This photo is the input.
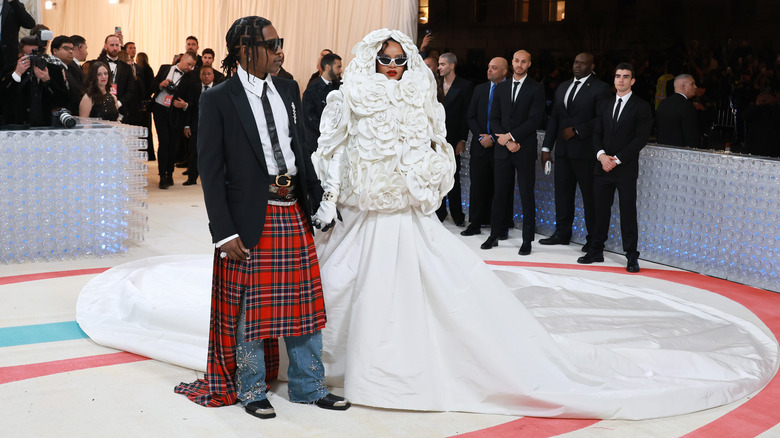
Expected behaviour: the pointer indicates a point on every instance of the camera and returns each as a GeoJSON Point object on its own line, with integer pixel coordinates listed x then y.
{"type": "Point", "coordinates": [61, 118]}
{"type": "Point", "coordinates": [170, 88]}
{"type": "Point", "coordinates": [38, 56]}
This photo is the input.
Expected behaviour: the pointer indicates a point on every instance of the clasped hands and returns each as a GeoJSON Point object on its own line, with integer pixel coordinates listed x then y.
{"type": "Point", "coordinates": [326, 215]}
{"type": "Point", "coordinates": [608, 162]}
{"type": "Point", "coordinates": [506, 140]}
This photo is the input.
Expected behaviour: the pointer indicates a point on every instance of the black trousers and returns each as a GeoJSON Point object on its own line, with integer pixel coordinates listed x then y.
{"type": "Point", "coordinates": [604, 187]}
{"type": "Point", "coordinates": [568, 174]}
{"type": "Point", "coordinates": [454, 199]}
{"type": "Point", "coordinates": [482, 170]}
{"type": "Point", "coordinates": [506, 170]}
{"type": "Point", "coordinates": [192, 162]}
{"type": "Point", "coordinates": [169, 130]}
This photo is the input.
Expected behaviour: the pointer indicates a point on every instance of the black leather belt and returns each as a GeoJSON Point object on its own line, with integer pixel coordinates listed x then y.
{"type": "Point", "coordinates": [282, 188]}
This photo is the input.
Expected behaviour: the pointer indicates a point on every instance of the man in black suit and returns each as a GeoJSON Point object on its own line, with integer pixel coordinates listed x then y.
{"type": "Point", "coordinates": [260, 187]}
{"type": "Point", "coordinates": [314, 98]}
{"type": "Point", "coordinates": [194, 90]}
{"type": "Point", "coordinates": [676, 117]}
{"type": "Point", "coordinates": [569, 132]}
{"type": "Point", "coordinates": [123, 83]}
{"type": "Point", "coordinates": [170, 104]}
{"type": "Point", "coordinates": [30, 94]}
{"type": "Point", "coordinates": [457, 95]}
{"type": "Point", "coordinates": [517, 112]}
{"type": "Point", "coordinates": [208, 61]}
{"type": "Point", "coordinates": [13, 15]}
{"type": "Point", "coordinates": [79, 57]}
{"type": "Point", "coordinates": [622, 129]}
{"type": "Point", "coordinates": [192, 45]}
{"type": "Point", "coordinates": [62, 48]}
{"type": "Point", "coordinates": [481, 162]}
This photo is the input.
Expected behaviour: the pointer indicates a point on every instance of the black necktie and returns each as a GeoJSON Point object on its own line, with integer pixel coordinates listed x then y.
{"type": "Point", "coordinates": [617, 110]}
{"type": "Point", "coordinates": [571, 94]}
{"type": "Point", "coordinates": [269, 121]}
{"type": "Point", "coordinates": [205, 87]}
{"type": "Point", "coordinates": [514, 90]}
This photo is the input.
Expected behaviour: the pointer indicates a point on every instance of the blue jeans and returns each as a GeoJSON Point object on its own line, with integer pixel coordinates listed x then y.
{"type": "Point", "coordinates": [306, 373]}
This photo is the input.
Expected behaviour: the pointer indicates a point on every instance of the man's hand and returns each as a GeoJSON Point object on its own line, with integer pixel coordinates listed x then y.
{"type": "Point", "coordinates": [608, 162]}
{"type": "Point", "coordinates": [486, 140]}
{"type": "Point", "coordinates": [568, 133]}
{"type": "Point", "coordinates": [43, 75]}
{"type": "Point", "coordinates": [187, 132]}
{"type": "Point", "coordinates": [426, 41]}
{"type": "Point", "coordinates": [513, 146]}
{"type": "Point", "coordinates": [460, 147]}
{"type": "Point", "coordinates": [164, 83]}
{"type": "Point", "coordinates": [235, 250]}
{"type": "Point", "coordinates": [179, 103]}
{"type": "Point", "coordinates": [22, 64]}
{"type": "Point", "coordinates": [546, 156]}
{"type": "Point", "coordinates": [503, 139]}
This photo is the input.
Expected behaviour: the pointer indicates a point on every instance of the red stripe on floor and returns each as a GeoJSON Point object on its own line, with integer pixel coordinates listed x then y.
{"type": "Point", "coordinates": [531, 427]}
{"type": "Point", "coordinates": [47, 275]}
{"type": "Point", "coordinates": [31, 371]}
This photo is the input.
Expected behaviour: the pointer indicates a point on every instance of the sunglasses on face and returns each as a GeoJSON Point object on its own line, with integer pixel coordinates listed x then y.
{"type": "Point", "coordinates": [386, 60]}
{"type": "Point", "coordinates": [273, 45]}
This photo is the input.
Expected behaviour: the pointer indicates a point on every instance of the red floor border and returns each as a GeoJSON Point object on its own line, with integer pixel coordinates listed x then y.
{"type": "Point", "coordinates": [11, 279]}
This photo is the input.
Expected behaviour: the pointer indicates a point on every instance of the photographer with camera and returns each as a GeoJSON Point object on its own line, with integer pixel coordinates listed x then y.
{"type": "Point", "coordinates": [36, 88]}
{"type": "Point", "coordinates": [173, 85]}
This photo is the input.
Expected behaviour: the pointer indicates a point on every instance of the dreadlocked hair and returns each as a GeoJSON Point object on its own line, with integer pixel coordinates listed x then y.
{"type": "Point", "coordinates": [246, 31]}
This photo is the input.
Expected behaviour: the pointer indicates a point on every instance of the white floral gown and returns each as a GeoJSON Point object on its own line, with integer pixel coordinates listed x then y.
{"type": "Point", "coordinates": [417, 321]}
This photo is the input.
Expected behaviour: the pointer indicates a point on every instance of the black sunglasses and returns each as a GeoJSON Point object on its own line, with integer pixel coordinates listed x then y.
{"type": "Point", "coordinates": [386, 60]}
{"type": "Point", "coordinates": [273, 45]}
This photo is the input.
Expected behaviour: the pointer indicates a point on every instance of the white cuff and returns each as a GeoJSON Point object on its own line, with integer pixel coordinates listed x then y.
{"type": "Point", "coordinates": [225, 240]}
{"type": "Point", "coordinates": [16, 77]}
{"type": "Point", "coordinates": [600, 153]}
{"type": "Point", "coordinates": [544, 149]}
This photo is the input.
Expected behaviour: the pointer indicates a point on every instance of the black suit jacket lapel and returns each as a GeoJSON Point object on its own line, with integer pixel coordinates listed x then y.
{"type": "Point", "coordinates": [246, 116]}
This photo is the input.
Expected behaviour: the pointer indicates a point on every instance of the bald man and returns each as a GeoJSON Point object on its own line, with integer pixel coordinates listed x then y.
{"type": "Point", "coordinates": [569, 134]}
{"type": "Point", "coordinates": [676, 117]}
{"type": "Point", "coordinates": [481, 162]}
{"type": "Point", "coordinates": [517, 112]}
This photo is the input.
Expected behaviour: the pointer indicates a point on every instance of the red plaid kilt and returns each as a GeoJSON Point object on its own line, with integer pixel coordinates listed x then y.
{"type": "Point", "coordinates": [283, 298]}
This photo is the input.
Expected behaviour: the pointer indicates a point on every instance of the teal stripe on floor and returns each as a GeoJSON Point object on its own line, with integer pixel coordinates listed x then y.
{"type": "Point", "coordinates": [39, 333]}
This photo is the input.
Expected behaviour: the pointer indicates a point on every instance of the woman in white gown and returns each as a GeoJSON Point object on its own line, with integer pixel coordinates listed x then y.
{"type": "Point", "coordinates": [417, 321]}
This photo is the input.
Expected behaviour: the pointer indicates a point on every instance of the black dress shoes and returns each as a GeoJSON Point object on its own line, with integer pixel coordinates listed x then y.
{"type": "Point", "coordinates": [333, 402]}
{"type": "Point", "coordinates": [632, 265]}
{"type": "Point", "coordinates": [586, 247]}
{"type": "Point", "coordinates": [591, 257]}
{"type": "Point", "coordinates": [169, 180]}
{"type": "Point", "coordinates": [189, 182]}
{"type": "Point", "coordinates": [554, 240]}
{"type": "Point", "coordinates": [186, 172]}
{"type": "Point", "coordinates": [471, 230]}
{"type": "Point", "coordinates": [491, 242]}
{"type": "Point", "coordinates": [164, 182]}
{"type": "Point", "coordinates": [525, 249]}
{"type": "Point", "coordinates": [260, 409]}
{"type": "Point", "coordinates": [504, 235]}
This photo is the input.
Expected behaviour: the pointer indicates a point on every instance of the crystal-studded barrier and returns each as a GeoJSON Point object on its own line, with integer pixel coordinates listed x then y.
{"type": "Point", "coordinates": [68, 193]}
{"type": "Point", "coordinates": [713, 213]}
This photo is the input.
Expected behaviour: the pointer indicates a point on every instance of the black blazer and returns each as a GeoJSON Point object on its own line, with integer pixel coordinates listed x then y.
{"type": "Point", "coordinates": [456, 104]}
{"type": "Point", "coordinates": [186, 89]}
{"type": "Point", "coordinates": [313, 105]}
{"type": "Point", "coordinates": [625, 138]}
{"type": "Point", "coordinates": [13, 17]}
{"type": "Point", "coordinates": [232, 164]}
{"type": "Point", "coordinates": [476, 117]}
{"type": "Point", "coordinates": [521, 119]}
{"type": "Point", "coordinates": [77, 73]}
{"type": "Point", "coordinates": [17, 96]}
{"type": "Point", "coordinates": [677, 122]}
{"type": "Point", "coordinates": [581, 115]}
{"type": "Point", "coordinates": [126, 91]}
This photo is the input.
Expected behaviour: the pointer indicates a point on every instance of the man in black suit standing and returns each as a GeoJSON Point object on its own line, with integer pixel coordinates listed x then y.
{"type": "Point", "coordinates": [13, 15]}
{"type": "Point", "coordinates": [457, 95]}
{"type": "Point", "coordinates": [260, 187]}
{"type": "Point", "coordinates": [517, 112]}
{"type": "Point", "coordinates": [314, 98]}
{"type": "Point", "coordinates": [79, 56]}
{"type": "Point", "coordinates": [171, 101]}
{"type": "Point", "coordinates": [676, 117]}
{"type": "Point", "coordinates": [62, 48]}
{"type": "Point", "coordinates": [123, 84]}
{"type": "Point", "coordinates": [194, 90]}
{"type": "Point", "coordinates": [208, 61]}
{"type": "Point", "coordinates": [622, 129]}
{"type": "Point", "coordinates": [481, 162]}
{"type": "Point", "coordinates": [569, 132]}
